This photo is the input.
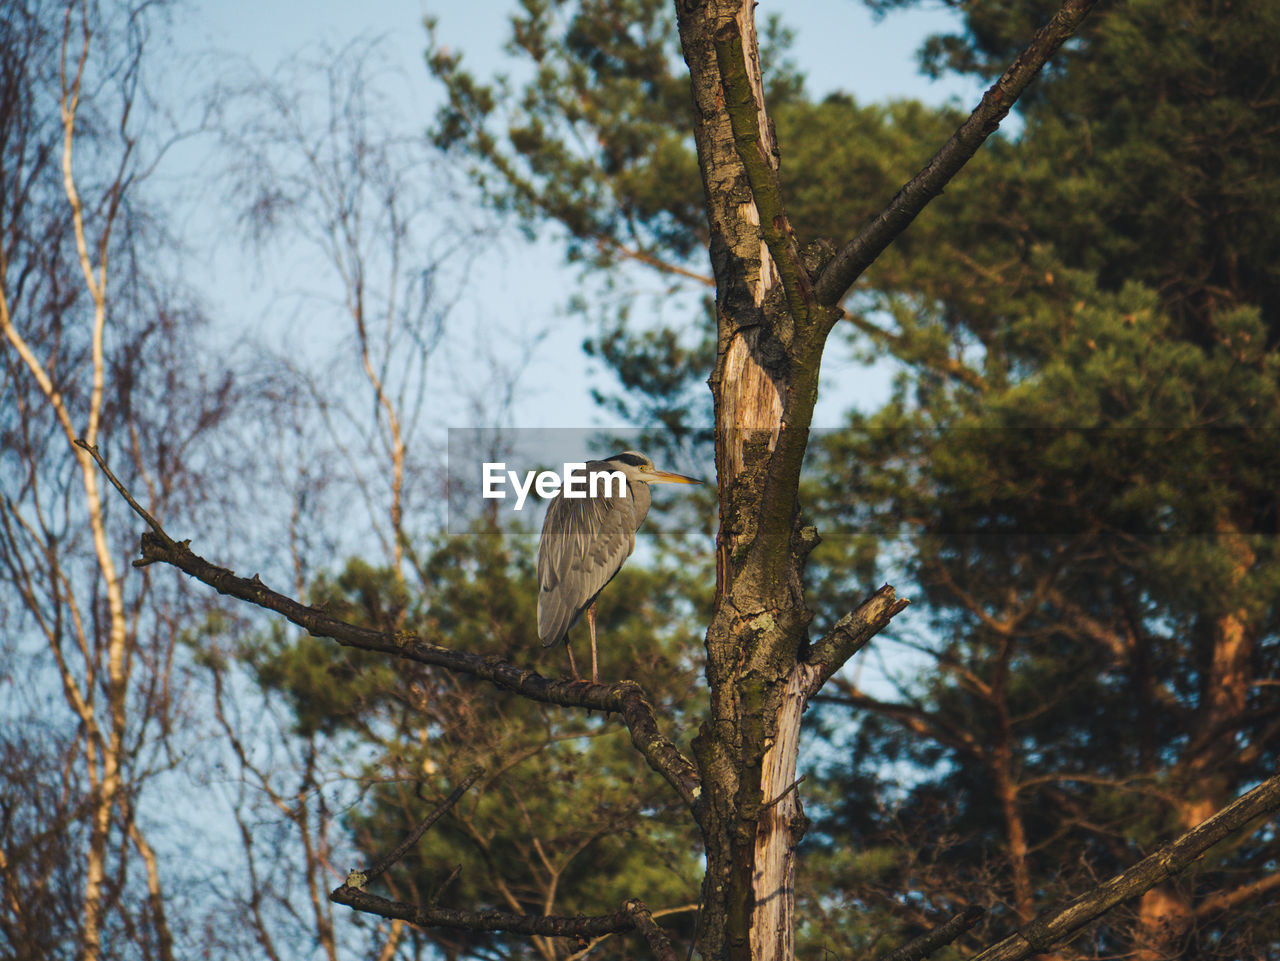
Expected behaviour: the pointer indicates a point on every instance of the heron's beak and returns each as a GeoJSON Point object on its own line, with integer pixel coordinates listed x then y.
{"type": "Point", "coordinates": [656, 476]}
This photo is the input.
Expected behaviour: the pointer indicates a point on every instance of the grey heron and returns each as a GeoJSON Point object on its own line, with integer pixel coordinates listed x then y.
{"type": "Point", "coordinates": [586, 540]}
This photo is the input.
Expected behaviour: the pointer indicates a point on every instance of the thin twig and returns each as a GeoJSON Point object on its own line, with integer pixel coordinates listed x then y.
{"type": "Point", "coordinates": [444, 885]}
{"type": "Point", "coordinates": [608, 245]}
{"type": "Point", "coordinates": [115, 482]}
{"type": "Point", "coordinates": [412, 837]}
{"type": "Point", "coordinates": [929, 942]}
{"type": "Point", "coordinates": [791, 787]}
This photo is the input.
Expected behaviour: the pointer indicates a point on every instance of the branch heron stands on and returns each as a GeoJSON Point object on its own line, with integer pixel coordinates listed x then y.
{"type": "Point", "coordinates": [585, 541]}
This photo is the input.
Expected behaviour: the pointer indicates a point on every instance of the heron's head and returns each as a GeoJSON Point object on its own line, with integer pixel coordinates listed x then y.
{"type": "Point", "coordinates": [639, 468]}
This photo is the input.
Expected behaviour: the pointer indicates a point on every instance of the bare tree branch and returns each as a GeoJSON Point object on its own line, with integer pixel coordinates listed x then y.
{"type": "Point", "coordinates": [551, 926]}
{"type": "Point", "coordinates": [1054, 927]}
{"type": "Point", "coordinates": [860, 252]}
{"type": "Point", "coordinates": [851, 633]}
{"type": "Point", "coordinates": [625, 698]}
{"type": "Point", "coordinates": [659, 943]}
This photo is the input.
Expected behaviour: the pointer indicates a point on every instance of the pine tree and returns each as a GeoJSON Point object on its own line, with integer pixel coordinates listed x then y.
{"type": "Point", "coordinates": [1092, 519]}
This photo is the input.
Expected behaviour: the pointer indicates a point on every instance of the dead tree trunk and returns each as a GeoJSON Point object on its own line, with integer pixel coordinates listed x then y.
{"type": "Point", "coordinates": [771, 331]}
{"type": "Point", "coordinates": [775, 307]}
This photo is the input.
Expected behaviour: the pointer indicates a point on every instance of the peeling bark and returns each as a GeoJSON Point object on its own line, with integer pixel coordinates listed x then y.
{"type": "Point", "coordinates": [758, 625]}
{"type": "Point", "coordinates": [781, 825]}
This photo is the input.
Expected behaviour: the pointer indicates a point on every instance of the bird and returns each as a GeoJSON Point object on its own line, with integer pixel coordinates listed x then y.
{"type": "Point", "coordinates": [585, 541]}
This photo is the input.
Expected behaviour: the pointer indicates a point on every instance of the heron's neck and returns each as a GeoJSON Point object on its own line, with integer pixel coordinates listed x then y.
{"type": "Point", "coordinates": [641, 498]}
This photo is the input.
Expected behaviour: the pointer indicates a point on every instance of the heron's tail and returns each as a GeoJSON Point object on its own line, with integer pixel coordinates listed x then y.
{"type": "Point", "coordinates": [555, 621]}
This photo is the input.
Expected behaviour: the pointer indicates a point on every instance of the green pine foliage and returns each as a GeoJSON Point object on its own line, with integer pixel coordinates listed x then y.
{"type": "Point", "coordinates": [1090, 516]}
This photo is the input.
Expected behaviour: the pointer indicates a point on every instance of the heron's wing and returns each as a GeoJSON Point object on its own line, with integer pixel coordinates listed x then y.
{"type": "Point", "coordinates": [584, 543]}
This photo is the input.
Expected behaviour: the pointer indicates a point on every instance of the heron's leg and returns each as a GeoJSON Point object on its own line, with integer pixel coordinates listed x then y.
{"type": "Point", "coordinates": [591, 623]}
{"type": "Point", "coordinates": [572, 666]}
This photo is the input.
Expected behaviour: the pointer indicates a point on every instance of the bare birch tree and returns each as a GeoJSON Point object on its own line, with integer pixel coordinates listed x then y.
{"type": "Point", "coordinates": [90, 352]}
{"type": "Point", "coordinates": [323, 171]}
{"type": "Point", "coordinates": [325, 167]}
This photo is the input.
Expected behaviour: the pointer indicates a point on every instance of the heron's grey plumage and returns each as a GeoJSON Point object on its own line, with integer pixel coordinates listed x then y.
{"type": "Point", "coordinates": [586, 540]}
{"type": "Point", "coordinates": [584, 543]}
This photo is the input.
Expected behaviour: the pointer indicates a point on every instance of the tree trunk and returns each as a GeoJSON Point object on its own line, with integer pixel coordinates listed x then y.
{"type": "Point", "coordinates": [765, 383]}
{"type": "Point", "coordinates": [1165, 913]}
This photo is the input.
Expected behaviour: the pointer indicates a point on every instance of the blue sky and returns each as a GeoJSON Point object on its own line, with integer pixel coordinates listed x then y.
{"type": "Point", "coordinates": [518, 295]}
{"type": "Point", "coordinates": [838, 41]}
